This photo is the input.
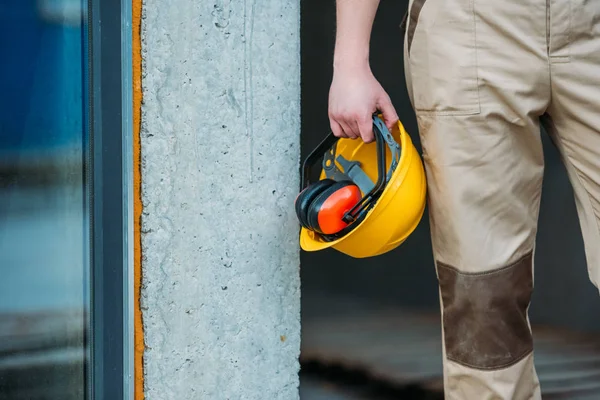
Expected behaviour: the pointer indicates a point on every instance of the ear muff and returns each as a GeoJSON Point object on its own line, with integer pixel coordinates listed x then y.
{"type": "Point", "coordinates": [306, 197]}
{"type": "Point", "coordinates": [326, 212]}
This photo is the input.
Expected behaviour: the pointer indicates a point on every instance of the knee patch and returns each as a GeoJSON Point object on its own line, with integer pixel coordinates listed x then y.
{"type": "Point", "coordinates": [485, 314]}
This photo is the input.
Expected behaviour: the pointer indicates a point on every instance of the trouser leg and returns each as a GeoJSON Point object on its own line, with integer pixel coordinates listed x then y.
{"type": "Point", "coordinates": [573, 118]}
{"type": "Point", "coordinates": [478, 78]}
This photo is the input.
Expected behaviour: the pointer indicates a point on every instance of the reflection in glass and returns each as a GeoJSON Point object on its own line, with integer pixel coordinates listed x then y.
{"type": "Point", "coordinates": [43, 209]}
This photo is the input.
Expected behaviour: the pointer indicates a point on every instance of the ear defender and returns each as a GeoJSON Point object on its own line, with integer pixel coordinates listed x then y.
{"type": "Point", "coordinates": [305, 198]}
{"type": "Point", "coordinates": [325, 213]}
{"type": "Point", "coordinates": [322, 205]}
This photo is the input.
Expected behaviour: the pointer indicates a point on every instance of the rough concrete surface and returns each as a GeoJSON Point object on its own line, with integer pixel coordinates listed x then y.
{"type": "Point", "coordinates": [220, 154]}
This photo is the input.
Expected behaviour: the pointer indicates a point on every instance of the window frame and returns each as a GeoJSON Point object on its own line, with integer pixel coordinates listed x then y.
{"type": "Point", "coordinates": [109, 118]}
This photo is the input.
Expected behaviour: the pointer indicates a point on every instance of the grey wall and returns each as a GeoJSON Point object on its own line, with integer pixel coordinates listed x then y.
{"type": "Point", "coordinates": [220, 150]}
{"type": "Point", "coordinates": [405, 277]}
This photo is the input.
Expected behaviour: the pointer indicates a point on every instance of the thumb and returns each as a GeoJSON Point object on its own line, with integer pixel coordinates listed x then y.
{"type": "Point", "coordinates": [390, 117]}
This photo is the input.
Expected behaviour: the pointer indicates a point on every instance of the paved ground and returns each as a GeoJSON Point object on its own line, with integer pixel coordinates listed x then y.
{"type": "Point", "coordinates": [313, 389]}
{"type": "Point", "coordinates": [321, 385]}
{"type": "Point", "coordinates": [394, 349]}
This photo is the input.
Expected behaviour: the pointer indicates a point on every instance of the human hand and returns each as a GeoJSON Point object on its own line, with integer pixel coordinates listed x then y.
{"type": "Point", "coordinates": [354, 96]}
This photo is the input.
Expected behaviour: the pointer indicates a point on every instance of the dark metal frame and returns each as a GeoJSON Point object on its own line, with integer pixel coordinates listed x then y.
{"type": "Point", "coordinates": [110, 166]}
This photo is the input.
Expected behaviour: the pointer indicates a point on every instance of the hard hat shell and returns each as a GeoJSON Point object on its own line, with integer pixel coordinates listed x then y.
{"type": "Point", "coordinates": [396, 213]}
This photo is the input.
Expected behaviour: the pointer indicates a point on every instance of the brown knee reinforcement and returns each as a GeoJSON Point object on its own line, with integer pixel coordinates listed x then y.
{"type": "Point", "coordinates": [485, 314]}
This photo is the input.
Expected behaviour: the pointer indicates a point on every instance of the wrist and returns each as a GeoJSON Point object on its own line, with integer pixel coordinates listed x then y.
{"type": "Point", "coordinates": [351, 60]}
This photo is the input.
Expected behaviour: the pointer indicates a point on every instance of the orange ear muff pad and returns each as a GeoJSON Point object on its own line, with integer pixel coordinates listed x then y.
{"type": "Point", "coordinates": [326, 212]}
{"type": "Point", "coordinates": [305, 198]}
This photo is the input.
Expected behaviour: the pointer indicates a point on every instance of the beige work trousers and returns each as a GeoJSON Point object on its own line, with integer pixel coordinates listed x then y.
{"type": "Point", "coordinates": [483, 76]}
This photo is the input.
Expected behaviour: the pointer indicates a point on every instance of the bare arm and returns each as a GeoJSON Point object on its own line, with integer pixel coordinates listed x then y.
{"type": "Point", "coordinates": [354, 22]}
{"type": "Point", "coordinates": [355, 94]}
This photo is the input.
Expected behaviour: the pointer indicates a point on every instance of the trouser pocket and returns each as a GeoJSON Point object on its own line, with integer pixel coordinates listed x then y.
{"type": "Point", "coordinates": [441, 57]}
{"type": "Point", "coordinates": [404, 22]}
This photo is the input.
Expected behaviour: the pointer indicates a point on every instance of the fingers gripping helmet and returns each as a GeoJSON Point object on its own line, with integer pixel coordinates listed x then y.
{"type": "Point", "coordinates": [369, 198]}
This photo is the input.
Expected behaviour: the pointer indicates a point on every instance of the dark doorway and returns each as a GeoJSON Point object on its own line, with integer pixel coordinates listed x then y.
{"type": "Point", "coordinates": [404, 280]}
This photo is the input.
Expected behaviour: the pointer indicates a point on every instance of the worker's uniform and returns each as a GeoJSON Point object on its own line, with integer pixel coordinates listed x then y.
{"type": "Point", "coordinates": [482, 77]}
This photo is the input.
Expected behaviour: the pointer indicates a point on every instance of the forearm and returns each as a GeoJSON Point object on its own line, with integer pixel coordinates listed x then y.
{"type": "Point", "coordinates": [354, 22]}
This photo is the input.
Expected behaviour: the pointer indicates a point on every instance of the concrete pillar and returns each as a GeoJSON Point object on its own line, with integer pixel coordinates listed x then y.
{"type": "Point", "coordinates": [220, 120]}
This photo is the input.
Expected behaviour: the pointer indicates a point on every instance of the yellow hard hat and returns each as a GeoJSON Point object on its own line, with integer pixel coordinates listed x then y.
{"type": "Point", "coordinates": [369, 198]}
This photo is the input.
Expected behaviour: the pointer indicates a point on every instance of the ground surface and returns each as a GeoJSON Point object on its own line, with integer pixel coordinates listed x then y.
{"type": "Point", "coordinates": [352, 348]}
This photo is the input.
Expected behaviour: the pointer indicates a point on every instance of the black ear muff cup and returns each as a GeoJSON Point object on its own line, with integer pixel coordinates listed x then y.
{"type": "Point", "coordinates": [325, 213]}
{"type": "Point", "coordinates": [306, 197]}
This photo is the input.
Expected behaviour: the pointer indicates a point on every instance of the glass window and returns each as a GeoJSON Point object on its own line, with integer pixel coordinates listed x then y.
{"type": "Point", "coordinates": [65, 200]}
{"type": "Point", "coordinates": [43, 220]}
{"type": "Point", "coordinates": [43, 223]}
{"type": "Point", "coordinates": [65, 194]}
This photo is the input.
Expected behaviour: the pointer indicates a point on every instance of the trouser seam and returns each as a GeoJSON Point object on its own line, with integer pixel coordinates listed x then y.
{"type": "Point", "coordinates": [560, 59]}
{"type": "Point", "coordinates": [490, 272]}
{"type": "Point", "coordinates": [495, 368]}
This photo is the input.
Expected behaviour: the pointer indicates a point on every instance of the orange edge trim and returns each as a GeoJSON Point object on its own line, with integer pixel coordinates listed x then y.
{"type": "Point", "coordinates": [137, 198]}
